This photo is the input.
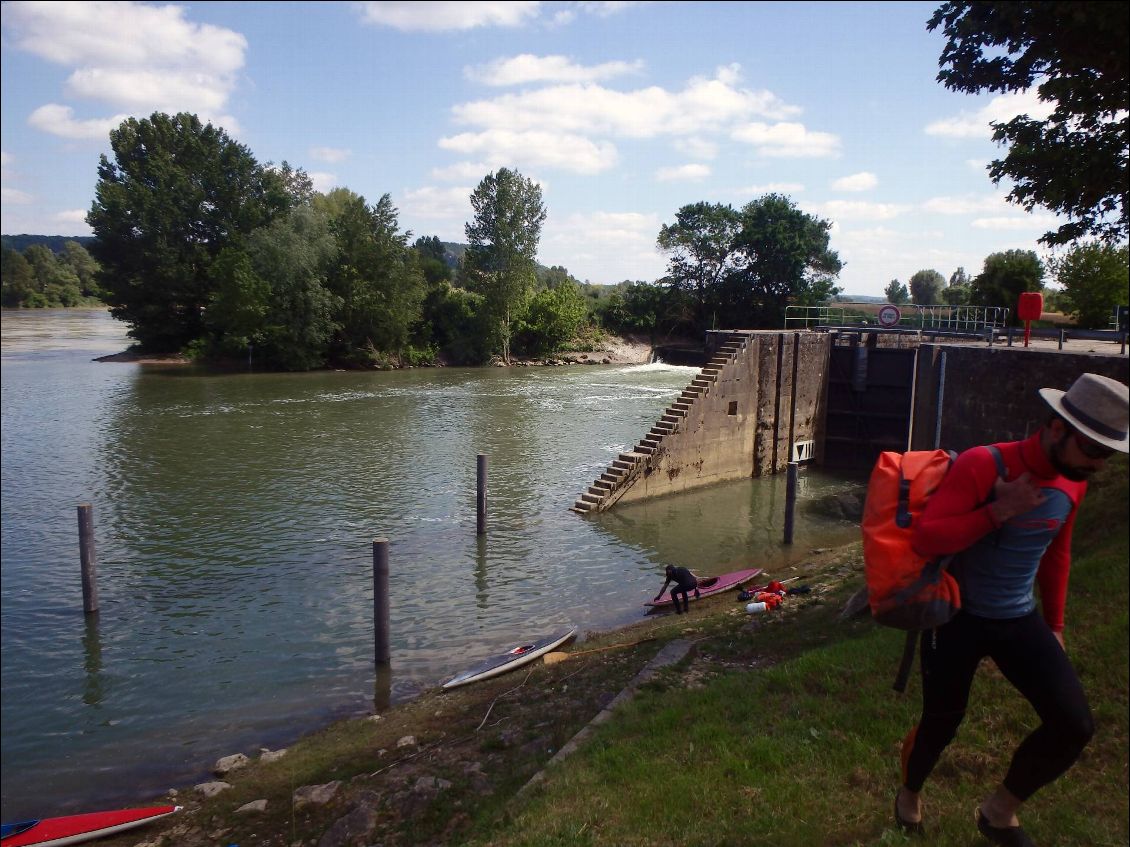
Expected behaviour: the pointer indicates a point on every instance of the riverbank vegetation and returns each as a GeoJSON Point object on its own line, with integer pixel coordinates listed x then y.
{"type": "Point", "coordinates": [39, 278]}
{"type": "Point", "coordinates": [779, 729]}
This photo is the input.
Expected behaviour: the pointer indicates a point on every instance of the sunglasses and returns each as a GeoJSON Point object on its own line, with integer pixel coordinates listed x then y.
{"type": "Point", "coordinates": [1090, 448]}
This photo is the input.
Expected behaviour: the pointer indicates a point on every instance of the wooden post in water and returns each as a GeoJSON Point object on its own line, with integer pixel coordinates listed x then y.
{"type": "Point", "coordinates": [380, 600]}
{"type": "Point", "coordinates": [790, 501]}
{"type": "Point", "coordinates": [86, 554]}
{"type": "Point", "coordinates": [481, 499]}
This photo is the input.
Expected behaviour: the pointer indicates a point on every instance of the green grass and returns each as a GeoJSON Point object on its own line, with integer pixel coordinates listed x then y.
{"type": "Point", "coordinates": [794, 740]}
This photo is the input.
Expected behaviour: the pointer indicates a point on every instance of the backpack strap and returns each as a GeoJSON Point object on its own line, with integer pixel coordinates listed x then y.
{"type": "Point", "coordinates": [902, 677]}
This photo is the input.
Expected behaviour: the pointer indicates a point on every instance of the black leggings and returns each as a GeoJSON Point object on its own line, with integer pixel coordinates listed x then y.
{"type": "Point", "coordinates": [685, 591]}
{"type": "Point", "coordinates": [1030, 657]}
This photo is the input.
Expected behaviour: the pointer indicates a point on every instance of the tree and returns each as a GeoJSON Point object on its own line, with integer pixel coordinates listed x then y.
{"type": "Point", "coordinates": [555, 317]}
{"type": "Point", "coordinates": [376, 276]}
{"type": "Point", "coordinates": [433, 260]}
{"type": "Point", "coordinates": [786, 260]}
{"type": "Point", "coordinates": [1095, 279]}
{"type": "Point", "coordinates": [176, 195]}
{"type": "Point", "coordinates": [926, 287]}
{"type": "Point", "coordinates": [746, 266]}
{"type": "Point", "coordinates": [1005, 277]}
{"type": "Point", "coordinates": [18, 280]}
{"type": "Point", "coordinates": [703, 253]}
{"type": "Point", "coordinates": [896, 293]}
{"type": "Point", "coordinates": [1074, 162]}
{"type": "Point", "coordinates": [503, 241]}
{"type": "Point", "coordinates": [85, 268]}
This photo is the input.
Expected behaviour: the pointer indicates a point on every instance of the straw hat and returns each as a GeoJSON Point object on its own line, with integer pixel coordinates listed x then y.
{"type": "Point", "coordinates": [1097, 406]}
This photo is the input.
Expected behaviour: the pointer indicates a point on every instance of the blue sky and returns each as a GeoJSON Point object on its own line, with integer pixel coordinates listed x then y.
{"type": "Point", "coordinates": [623, 112]}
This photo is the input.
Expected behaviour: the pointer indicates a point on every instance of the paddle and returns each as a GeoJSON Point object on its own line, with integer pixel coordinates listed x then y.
{"type": "Point", "coordinates": [554, 658]}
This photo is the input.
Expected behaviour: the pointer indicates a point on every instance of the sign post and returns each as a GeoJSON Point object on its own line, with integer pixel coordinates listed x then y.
{"type": "Point", "coordinates": [889, 316]}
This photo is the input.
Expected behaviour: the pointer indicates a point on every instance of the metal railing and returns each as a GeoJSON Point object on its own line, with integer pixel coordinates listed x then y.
{"type": "Point", "coordinates": [935, 317]}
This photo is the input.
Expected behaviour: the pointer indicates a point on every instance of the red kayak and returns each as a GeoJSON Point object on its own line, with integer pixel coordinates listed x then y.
{"type": "Point", "coordinates": [709, 585]}
{"type": "Point", "coordinates": [74, 829]}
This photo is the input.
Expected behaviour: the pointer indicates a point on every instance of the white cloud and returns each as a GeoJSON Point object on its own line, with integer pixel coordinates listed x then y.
{"type": "Point", "coordinates": [604, 247]}
{"type": "Point", "coordinates": [14, 195]}
{"type": "Point", "coordinates": [967, 204]}
{"type": "Point", "coordinates": [501, 147]}
{"type": "Point", "coordinates": [441, 16]}
{"type": "Point", "coordinates": [527, 68]}
{"type": "Point", "coordinates": [788, 140]}
{"type": "Point", "coordinates": [60, 120]}
{"type": "Point", "coordinates": [463, 171]}
{"type": "Point", "coordinates": [858, 210]}
{"type": "Point", "coordinates": [862, 181]}
{"type": "Point", "coordinates": [71, 216]}
{"type": "Point", "coordinates": [693, 171]}
{"type": "Point", "coordinates": [448, 204]}
{"type": "Point", "coordinates": [323, 181]}
{"type": "Point", "coordinates": [772, 188]}
{"type": "Point", "coordinates": [330, 155]}
{"type": "Point", "coordinates": [1000, 109]}
{"type": "Point", "coordinates": [703, 105]}
{"type": "Point", "coordinates": [1014, 223]}
{"type": "Point", "coordinates": [698, 148]}
{"type": "Point", "coordinates": [133, 56]}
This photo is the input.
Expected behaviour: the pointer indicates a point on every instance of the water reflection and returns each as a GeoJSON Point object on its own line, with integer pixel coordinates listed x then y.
{"type": "Point", "coordinates": [92, 692]}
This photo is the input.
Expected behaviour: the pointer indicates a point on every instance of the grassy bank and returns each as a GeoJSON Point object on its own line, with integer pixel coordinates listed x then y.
{"type": "Point", "coordinates": [779, 729]}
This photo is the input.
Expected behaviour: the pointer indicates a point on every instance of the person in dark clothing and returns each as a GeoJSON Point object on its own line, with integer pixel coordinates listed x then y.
{"type": "Point", "coordinates": [1010, 533]}
{"type": "Point", "coordinates": [685, 582]}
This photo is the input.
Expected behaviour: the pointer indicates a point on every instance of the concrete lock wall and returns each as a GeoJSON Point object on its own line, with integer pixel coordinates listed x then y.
{"type": "Point", "coordinates": [990, 395]}
{"type": "Point", "coordinates": [769, 396]}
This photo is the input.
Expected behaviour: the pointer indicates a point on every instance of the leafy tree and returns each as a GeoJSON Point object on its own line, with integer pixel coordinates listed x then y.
{"type": "Point", "coordinates": [959, 277]}
{"type": "Point", "coordinates": [1095, 279]}
{"type": "Point", "coordinates": [376, 276]}
{"type": "Point", "coordinates": [503, 241]}
{"type": "Point", "coordinates": [85, 268]}
{"type": "Point", "coordinates": [456, 324]}
{"type": "Point", "coordinates": [1005, 277]}
{"type": "Point", "coordinates": [17, 280]}
{"type": "Point", "coordinates": [703, 253]}
{"type": "Point", "coordinates": [555, 316]}
{"type": "Point", "coordinates": [897, 293]}
{"type": "Point", "coordinates": [926, 287]}
{"type": "Point", "coordinates": [56, 284]}
{"type": "Point", "coordinates": [176, 194]}
{"type": "Point", "coordinates": [432, 256]}
{"type": "Point", "coordinates": [1074, 162]}
{"type": "Point", "coordinates": [786, 260]}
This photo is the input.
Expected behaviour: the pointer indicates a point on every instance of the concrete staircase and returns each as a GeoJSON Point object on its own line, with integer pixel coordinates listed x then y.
{"type": "Point", "coordinates": [627, 467]}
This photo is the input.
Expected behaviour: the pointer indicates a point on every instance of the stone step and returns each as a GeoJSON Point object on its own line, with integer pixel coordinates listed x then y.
{"type": "Point", "coordinates": [602, 485]}
{"type": "Point", "coordinates": [671, 419]}
{"type": "Point", "coordinates": [645, 448]}
{"type": "Point", "coordinates": [590, 498]}
{"type": "Point", "coordinates": [624, 465]}
{"type": "Point", "coordinates": [614, 479]}
{"type": "Point", "coordinates": [580, 507]}
{"type": "Point", "coordinates": [597, 492]}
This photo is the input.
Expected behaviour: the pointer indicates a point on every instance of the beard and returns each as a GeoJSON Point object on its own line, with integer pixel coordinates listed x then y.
{"type": "Point", "coordinates": [1066, 470]}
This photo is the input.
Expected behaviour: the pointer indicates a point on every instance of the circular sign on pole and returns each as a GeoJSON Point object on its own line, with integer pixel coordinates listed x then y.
{"type": "Point", "coordinates": [889, 316]}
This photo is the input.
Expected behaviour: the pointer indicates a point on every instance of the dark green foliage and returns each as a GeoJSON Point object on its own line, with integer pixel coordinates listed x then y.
{"type": "Point", "coordinates": [40, 278]}
{"type": "Point", "coordinates": [926, 287]}
{"type": "Point", "coordinates": [744, 268]}
{"type": "Point", "coordinates": [176, 195]}
{"type": "Point", "coordinates": [555, 316]}
{"type": "Point", "coordinates": [1095, 279]}
{"type": "Point", "coordinates": [1005, 277]}
{"type": "Point", "coordinates": [1076, 53]}
{"type": "Point", "coordinates": [503, 241]}
{"type": "Point", "coordinates": [455, 320]}
{"type": "Point", "coordinates": [896, 293]}
{"type": "Point", "coordinates": [56, 243]}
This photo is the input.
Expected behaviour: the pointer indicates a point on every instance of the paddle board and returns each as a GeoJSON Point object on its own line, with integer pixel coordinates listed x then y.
{"type": "Point", "coordinates": [75, 829]}
{"type": "Point", "coordinates": [709, 585]}
{"type": "Point", "coordinates": [515, 657]}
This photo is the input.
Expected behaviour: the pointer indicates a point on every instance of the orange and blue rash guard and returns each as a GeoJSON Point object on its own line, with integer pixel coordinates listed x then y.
{"type": "Point", "coordinates": [999, 565]}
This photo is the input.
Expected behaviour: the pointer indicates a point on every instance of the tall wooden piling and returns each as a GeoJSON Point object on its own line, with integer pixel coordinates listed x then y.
{"type": "Point", "coordinates": [380, 601]}
{"type": "Point", "coordinates": [481, 498]}
{"type": "Point", "coordinates": [790, 500]}
{"type": "Point", "coordinates": [86, 555]}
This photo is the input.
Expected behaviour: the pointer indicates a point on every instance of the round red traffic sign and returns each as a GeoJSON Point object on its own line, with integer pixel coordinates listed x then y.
{"type": "Point", "coordinates": [889, 316]}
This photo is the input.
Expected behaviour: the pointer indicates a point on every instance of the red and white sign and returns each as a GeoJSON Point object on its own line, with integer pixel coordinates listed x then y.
{"type": "Point", "coordinates": [889, 316]}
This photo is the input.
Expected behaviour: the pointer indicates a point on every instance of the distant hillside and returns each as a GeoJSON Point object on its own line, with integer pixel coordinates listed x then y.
{"type": "Point", "coordinates": [19, 243]}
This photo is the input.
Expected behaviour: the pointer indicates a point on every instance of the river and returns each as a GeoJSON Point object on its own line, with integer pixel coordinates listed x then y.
{"type": "Point", "coordinates": [234, 519]}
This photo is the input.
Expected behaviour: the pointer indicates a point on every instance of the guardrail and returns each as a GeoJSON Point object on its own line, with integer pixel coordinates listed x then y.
{"type": "Point", "coordinates": [965, 319]}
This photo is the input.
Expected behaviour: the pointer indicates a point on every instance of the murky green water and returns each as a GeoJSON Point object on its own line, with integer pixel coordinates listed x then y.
{"type": "Point", "coordinates": [234, 518]}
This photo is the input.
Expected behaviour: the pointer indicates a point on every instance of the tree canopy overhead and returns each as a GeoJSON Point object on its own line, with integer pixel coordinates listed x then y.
{"type": "Point", "coordinates": [1076, 53]}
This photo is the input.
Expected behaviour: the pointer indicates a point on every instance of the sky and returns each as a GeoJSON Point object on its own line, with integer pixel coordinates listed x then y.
{"type": "Point", "coordinates": [622, 112]}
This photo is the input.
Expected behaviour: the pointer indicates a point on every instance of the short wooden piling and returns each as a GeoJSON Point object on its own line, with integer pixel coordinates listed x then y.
{"type": "Point", "coordinates": [790, 500]}
{"type": "Point", "coordinates": [86, 555]}
{"type": "Point", "coordinates": [481, 498]}
{"type": "Point", "coordinates": [380, 601]}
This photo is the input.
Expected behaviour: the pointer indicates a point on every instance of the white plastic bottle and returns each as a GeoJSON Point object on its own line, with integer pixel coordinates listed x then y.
{"type": "Point", "coordinates": [754, 608]}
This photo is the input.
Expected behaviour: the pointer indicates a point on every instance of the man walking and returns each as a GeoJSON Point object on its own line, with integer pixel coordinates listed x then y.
{"type": "Point", "coordinates": [1009, 533]}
